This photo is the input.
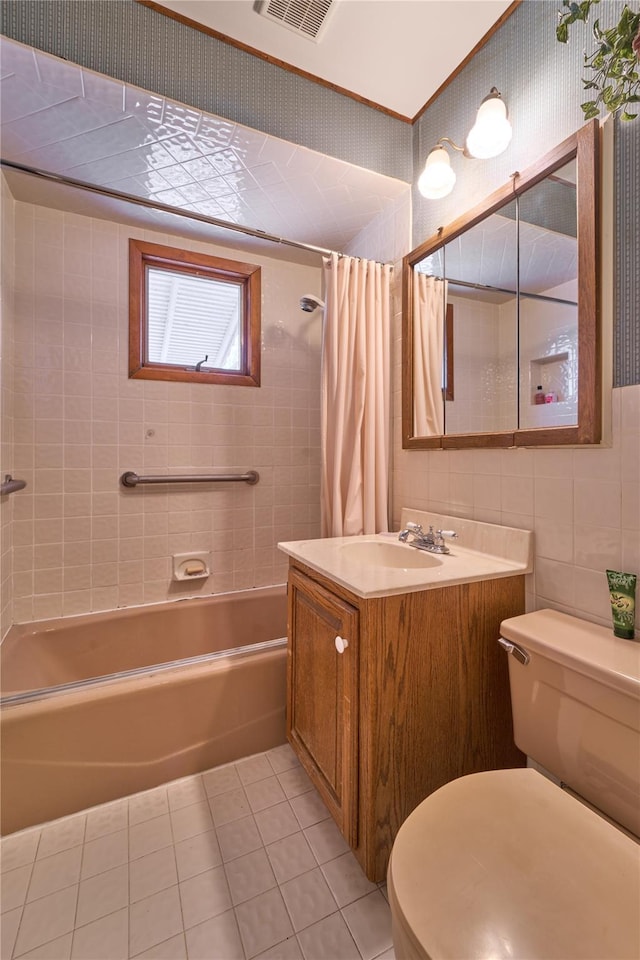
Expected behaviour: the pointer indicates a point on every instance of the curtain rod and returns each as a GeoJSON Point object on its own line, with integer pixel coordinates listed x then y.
{"type": "Point", "coordinates": [163, 207]}
{"type": "Point", "coordinates": [523, 293]}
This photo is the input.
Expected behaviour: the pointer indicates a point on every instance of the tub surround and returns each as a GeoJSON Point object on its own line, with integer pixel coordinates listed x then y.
{"type": "Point", "coordinates": [379, 565]}
{"type": "Point", "coordinates": [82, 543]}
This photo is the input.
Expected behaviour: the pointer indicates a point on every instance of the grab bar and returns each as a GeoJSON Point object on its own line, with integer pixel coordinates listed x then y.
{"type": "Point", "coordinates": [131, 479]}
{"type": "Point", "coordinates": [9, 485]}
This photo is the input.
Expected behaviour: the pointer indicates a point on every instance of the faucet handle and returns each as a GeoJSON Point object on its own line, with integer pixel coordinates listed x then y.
{"type": "Point", "coordinates": [411, 528]}
{"type": "Point", "coordinates": [447, 533]}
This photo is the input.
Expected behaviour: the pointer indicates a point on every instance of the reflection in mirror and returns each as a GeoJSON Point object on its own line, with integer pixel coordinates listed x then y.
{"type": "Point", "coordinates": [549, 301]}
{"type": "Point", "coordinates": [481, 272]}
{"type": "Point", "coordinates": [429, 305]}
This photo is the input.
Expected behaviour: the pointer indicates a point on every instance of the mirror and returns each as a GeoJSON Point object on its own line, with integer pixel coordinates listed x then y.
{"type": "Point", "coordinates": [500, 314]}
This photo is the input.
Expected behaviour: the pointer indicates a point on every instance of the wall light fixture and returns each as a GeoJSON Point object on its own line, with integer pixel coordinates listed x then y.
{"type": "Point", "coordinates": [489, 136]}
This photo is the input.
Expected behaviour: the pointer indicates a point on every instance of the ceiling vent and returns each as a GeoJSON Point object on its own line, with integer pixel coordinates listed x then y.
{"type": "Point", "coordinates": [305, 17]}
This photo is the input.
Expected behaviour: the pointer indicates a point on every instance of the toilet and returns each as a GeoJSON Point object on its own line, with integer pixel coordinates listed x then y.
{"type": "Point", "coordinates": [506, 864]}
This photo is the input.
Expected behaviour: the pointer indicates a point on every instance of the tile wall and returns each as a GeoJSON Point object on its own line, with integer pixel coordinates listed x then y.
{"type": "Point", "coordinates": [548, 331]}
{"type": "Point", "coordinates": [484, 381]}
{"type": "Point", "coordinates": [7, 209]}
{"type": "Point", "coordinates": [80, 541]}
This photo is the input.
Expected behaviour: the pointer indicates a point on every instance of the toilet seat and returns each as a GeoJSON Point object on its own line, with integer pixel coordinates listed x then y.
{"type": "Point", "coordinates": [506, 865]}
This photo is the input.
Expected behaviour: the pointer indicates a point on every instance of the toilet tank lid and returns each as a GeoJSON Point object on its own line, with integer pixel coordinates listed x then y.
{"type": "Point", "coordinates": [586, 647]}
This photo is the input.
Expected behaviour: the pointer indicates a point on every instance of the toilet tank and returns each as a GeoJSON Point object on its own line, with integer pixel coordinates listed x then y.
{"type": "Point", "coordinates": [576, 707]}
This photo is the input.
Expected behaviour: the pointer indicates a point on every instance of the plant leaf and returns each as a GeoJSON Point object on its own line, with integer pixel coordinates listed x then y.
{"type": "Point", "coordinates": [590, 110]}
{"type": "Point", "coordinates": [615, 75]}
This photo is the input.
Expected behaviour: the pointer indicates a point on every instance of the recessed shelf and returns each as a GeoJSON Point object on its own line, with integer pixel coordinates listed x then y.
{"type": "Point", "coordinates": [552, 358]}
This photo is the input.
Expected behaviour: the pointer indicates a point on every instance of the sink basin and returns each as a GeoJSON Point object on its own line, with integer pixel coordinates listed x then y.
{"type": "Point", "coordinates": [379, 565]}
{"type": "Point", "coordinates": [379, 554]}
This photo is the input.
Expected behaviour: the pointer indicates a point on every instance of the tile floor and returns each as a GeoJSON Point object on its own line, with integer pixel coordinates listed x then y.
{"type": "Point", "coordinates": [240, 862]}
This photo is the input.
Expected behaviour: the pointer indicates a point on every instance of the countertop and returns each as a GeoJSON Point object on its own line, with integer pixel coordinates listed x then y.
{"type": "Point", "coordinates": [359, 571]}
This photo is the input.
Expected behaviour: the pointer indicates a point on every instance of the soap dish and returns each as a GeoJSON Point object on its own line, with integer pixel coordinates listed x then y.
{"type": "Point", "coordinates": [191, 566]}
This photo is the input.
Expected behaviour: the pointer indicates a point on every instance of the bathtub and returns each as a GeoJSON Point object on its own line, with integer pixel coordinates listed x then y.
{"type": "Point", "coordinates": [99, 706]}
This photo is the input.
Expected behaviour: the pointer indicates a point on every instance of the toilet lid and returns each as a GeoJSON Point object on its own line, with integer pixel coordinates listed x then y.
{"type": "Point", "coordinates": [506, 865]}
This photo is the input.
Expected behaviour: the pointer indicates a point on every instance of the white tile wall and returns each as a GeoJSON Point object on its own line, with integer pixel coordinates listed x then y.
{"type": "Point", "coordinates": [484, 376]}
{"type": "Point", "coordinates": [7, 213]}
{"type": "Point", "coordinates": [582, 504]}
{"type": "Point", "coordinates": [82, 542]}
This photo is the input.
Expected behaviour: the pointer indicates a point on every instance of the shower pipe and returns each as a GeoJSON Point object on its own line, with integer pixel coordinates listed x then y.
{"type": "Point", "coordinates": [131, 479]}
{"type": "Point", "coordinates": [163, 207]}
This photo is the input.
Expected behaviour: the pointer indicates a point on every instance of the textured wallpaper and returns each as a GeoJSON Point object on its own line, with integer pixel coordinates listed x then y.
{"type": "Point", "coordinates": [626, 339]}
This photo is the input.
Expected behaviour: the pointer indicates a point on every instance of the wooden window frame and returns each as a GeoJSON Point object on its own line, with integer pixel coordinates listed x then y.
{"type": "Point", "coordinates": [247, 275]}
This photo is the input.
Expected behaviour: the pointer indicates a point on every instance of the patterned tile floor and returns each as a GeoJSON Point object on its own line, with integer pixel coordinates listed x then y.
{"type": "Point", "coordinates": [240, 862]}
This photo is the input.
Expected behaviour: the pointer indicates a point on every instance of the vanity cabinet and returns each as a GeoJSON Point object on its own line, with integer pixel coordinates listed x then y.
{"type": "Point", "coordinates": [391, 697]}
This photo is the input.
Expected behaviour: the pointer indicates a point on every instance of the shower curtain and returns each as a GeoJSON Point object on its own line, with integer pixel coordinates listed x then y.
{"type": "Point", "coordinates": [429, 299]}
{"type": "Point", "coordinates": [355, 397]}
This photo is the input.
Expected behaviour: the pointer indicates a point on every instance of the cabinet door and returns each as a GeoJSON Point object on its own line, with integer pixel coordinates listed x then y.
{"type": "Point", "coordinates": [322, 685]}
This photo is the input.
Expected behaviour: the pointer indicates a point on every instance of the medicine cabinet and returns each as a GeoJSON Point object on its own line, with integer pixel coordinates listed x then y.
{"type": "Point", "coordinates": [501, 310]}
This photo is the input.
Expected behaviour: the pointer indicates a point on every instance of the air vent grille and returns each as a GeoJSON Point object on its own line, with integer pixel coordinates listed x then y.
{"type": "Point", "coordinates": [306, 17]}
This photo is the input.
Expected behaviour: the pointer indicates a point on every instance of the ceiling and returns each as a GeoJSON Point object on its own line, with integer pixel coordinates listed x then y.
{"type": "Point", "coordinates": [62, 118]}
{"type": "Point", "coordinates": [395, 53]}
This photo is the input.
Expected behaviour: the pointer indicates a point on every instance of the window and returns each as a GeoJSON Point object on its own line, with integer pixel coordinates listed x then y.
{"type": "Point", "coordinates": [192, 317]}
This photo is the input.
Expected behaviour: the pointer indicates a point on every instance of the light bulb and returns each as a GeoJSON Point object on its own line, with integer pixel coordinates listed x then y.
{"type": "Point", "coordinates": [437, 178]}
{"type": "Point", "coordinates": [491, 133]}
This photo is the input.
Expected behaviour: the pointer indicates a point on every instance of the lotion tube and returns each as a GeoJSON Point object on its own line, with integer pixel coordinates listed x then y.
{"type": "Point", "coordinates": [622, 593]}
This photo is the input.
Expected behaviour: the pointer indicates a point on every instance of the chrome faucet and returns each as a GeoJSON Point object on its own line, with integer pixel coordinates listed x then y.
{"type": "Point", "coordinates": [432, 541]}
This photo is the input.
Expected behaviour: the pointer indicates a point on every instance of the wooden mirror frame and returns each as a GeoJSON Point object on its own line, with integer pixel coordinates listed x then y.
{"type": "Point", "coordinates": [583, 147]}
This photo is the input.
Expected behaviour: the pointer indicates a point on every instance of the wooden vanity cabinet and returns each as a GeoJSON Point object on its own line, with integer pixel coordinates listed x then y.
{"type": "Point", "coordinates": [418, 697]}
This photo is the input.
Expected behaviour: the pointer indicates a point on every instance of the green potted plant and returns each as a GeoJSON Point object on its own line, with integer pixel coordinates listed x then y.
{"type": "Point", "coordinates": [615, 76]}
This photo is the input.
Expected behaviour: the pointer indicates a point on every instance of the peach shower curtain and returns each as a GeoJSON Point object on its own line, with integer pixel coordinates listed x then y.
{"type": "Point", "coordinates": [429, 299]}
{"type": "Point", "coordinates": [355, 397]}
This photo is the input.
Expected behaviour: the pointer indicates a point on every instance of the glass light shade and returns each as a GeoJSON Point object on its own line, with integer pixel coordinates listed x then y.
{"type": "Point", "coordinates": [437, 178]}
{"type": "Point", "coordinates": [491, 133]}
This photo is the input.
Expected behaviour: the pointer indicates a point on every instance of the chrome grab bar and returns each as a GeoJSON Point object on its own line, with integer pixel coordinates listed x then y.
{"type": "Point", "coordinates": [521, 655]}
{"type": "Point", "coordinates": [131, 479]}
{"type": "Point", "coordinates": [9, 485]}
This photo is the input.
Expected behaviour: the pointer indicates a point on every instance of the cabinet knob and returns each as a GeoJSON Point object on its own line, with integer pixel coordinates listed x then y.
{"type": "Point", "coordinates": [341, 644]}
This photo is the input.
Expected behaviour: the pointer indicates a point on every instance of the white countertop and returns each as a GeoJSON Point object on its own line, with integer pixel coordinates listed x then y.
{"type": "Point", "coordinates": [360, 563]}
